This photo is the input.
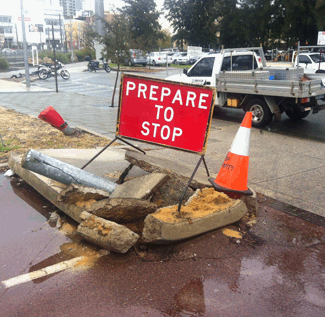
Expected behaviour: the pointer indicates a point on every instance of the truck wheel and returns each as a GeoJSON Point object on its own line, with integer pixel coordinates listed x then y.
{"type": "Point", "coordinates": [296, 115]}
{"type": "Point", "coordinates": [262, 116]}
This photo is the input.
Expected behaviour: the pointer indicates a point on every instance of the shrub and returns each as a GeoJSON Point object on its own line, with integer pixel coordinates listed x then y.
{"type": "Point", "coordinates": [84, 52]}
{"type": "Point", "coordinates": [3, 64]}
{"type": "Point", "coordinates": [65, 58]}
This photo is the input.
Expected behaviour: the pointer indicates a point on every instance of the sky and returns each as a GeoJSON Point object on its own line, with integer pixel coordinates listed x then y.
{"type": "Point", "coordinates": [8, 5]}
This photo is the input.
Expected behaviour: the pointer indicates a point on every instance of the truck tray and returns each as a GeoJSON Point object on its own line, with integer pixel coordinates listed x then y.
{"type": "Point", "coordinates": [279, 88]}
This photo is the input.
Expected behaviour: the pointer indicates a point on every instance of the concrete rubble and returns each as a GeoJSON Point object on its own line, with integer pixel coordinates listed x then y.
{"type": "Point", "coordinates": [122, 210]}
{"type": "Point", "coordinates": [165, 231]}
{"type": "Point", "coordinates": [76, 193]}
{"type": "Point", "coordinates": [103, 217]}
{"type": "Point", "coordinates": [107, 234]}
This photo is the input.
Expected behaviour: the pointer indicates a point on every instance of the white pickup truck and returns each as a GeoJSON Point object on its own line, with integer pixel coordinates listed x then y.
{"type": "Point", "coordinates": [243, 80]}
{"type": "Point", "coordinates": [311, 62]}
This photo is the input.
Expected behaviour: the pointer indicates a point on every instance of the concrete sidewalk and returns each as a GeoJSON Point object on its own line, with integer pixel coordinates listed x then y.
{"type": "Point", "coordinates": [288, 169]}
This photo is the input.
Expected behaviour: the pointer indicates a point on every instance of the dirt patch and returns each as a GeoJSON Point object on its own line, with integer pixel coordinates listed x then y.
{"type": "Point", "coordinates": [92, 223]}
{"type": "Point", "coordinates": [206, 202]}
{"type": "Point", "coordinates": [21, 132]}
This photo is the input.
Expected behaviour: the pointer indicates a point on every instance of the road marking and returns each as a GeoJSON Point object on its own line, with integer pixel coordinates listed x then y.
{"type": "Point", "coordinates": [41, 273]}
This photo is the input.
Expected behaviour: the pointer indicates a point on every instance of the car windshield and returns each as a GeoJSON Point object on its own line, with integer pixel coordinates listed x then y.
{"type": "Point", "coordinates": [203, 68]}
{"type": "Point", "coordinates": [317, 57]}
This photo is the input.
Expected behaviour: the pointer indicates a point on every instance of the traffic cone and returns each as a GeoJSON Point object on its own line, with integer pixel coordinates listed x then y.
{"type": "Point", "coordinates": [52, 117]}
{"type": "Point", "coordinates": [232, 177]}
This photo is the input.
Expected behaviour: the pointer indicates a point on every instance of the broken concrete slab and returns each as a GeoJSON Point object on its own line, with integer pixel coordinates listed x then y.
{"type": "Point", "coordinates": [160, 228]}
{"type": "Point", "coordinates": [107, 234]}
{"type": "Point", "coordinates": [171, 192]}
{"type": "Point", "coordinates": [153, 163]}
{"type": "Point", "coordinates": [121, 210]}
{"type": "Point", "coordinates": [76, 193]}
{"type": "Point", "coordinates": [140, 188]}
{"type": "Point", "coordinates": [47, 187]}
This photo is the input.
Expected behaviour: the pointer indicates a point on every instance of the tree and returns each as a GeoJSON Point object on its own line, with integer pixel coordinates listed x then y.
{"type": "Point", "coordinates": [166, 41]}
{"type": "Point", "coordinates": [116, 43]}
{"type": "Point", "coordinates": [299, 22]}
{"type": "Point", "coordinates": [89, 36]}
{"type": "Point", "coordinates": [193, 21]}
{"type": "Point", "coordinates": [144, 26]}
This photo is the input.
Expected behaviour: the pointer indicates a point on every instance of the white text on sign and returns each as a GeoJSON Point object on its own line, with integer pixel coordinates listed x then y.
{"type": "Point", "coordinates": [159, 93]}
{"type": "Point", "coordinates": [156, 93]}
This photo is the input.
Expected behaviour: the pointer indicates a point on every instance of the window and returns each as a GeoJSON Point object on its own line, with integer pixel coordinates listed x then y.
{"type": "Point", "coordinates": [241, 62]}
{"type": "Point", "coordinates": [203, 68]}
{"type": "Point", "coordinates": [305, 59]}
{"type": "Point", "coordinates": [5, 29]}
{"type": "Point", "coordinates": [5, 18]}
{"type": "Point", "coordinates": [315, 57]}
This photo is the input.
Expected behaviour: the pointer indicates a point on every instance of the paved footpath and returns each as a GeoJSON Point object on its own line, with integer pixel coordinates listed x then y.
{"type": "Point", "coordinates": [288, 169]}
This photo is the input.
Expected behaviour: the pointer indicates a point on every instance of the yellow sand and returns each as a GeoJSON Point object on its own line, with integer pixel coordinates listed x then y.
{"type": "Point", "coordinates": [208, 201]}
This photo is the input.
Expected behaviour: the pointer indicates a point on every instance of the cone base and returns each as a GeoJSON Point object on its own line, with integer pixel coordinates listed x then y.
{"type": "Point", "coordinates": [224, 189]}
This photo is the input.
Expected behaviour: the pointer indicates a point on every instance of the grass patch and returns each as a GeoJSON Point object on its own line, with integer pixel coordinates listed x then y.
{"type": "Point", "coordinates": [181, 66]}
{"type": "Point", "coordinates": [5, 148]}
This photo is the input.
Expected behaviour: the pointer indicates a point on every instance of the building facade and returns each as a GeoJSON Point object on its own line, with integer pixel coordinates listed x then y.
{"type": "Point", "coordinates": [38, 16]}
{"type": "Point", "coordinates": [69, 8]}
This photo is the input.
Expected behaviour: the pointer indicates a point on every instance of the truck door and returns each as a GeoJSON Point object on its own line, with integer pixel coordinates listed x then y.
{"type": "Point", "coordinates": [307, 64]}
{"type": "Point", "coordinates": [201, 73]}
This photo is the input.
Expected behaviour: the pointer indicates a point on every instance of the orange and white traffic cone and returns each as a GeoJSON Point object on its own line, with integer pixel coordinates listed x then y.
{"type": "Point", "coordinates": [232, 177]}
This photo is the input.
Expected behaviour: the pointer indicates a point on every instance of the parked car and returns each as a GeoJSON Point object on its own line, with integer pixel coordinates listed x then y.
{"type": "Point", "coordinates": [157, 58]}
{"type": "Point", "coordinates": [183, 59]}
{"type": "Point", "coordinates": [8, 51]}
{"type": "Point", "coordinates": [170, 57]}
{"type": "Point", "coordinates": [136, 57]}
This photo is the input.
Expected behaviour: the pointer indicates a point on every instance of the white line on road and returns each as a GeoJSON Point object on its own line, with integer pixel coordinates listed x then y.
{"type": "Point", "coordinates": [41, 273]}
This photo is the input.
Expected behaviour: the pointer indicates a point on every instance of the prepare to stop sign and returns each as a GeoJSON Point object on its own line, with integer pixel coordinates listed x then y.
{"type": "Point", "coordinates": [164, 112]}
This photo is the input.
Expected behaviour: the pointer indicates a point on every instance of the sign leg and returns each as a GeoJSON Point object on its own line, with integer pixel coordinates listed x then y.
{"type": "Point", "coordinates": [190, 180]}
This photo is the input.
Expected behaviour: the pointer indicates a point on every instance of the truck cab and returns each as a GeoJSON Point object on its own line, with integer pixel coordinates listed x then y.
{"type": "Point", "coordinates": [204, 71]}
{"type": "Point", "coordinates": [311, 62]}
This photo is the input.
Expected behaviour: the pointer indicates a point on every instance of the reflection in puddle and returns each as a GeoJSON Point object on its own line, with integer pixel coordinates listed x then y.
{"type": "Point", "coordinates": [190, 299]}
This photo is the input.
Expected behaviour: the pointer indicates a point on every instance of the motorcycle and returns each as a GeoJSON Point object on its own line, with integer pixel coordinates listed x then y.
{"type": "Point", "coordinates": [93, 66]}
{"type": "Point", "coordinates": [48, 70]}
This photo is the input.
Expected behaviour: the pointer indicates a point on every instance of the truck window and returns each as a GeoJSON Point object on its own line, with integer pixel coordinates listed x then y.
{"type": "Point", "coordinates": [304, 59]}
{"type": "Point", "coordinates": [203, 68]}
{"type": "Point", "coordinates": [241, 62]}
{"type": "Point", "coordinates": [317, 57]}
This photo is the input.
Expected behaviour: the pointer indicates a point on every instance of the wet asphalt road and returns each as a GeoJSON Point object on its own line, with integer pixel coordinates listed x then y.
{"type": "Point", "coordinates": [102, 83]}
{"type": "Point", "coordinates": [277, 269]}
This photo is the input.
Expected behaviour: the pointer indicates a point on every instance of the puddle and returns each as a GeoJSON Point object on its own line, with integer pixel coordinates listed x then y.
{"type": "Point", "coordinates": [281, 274]}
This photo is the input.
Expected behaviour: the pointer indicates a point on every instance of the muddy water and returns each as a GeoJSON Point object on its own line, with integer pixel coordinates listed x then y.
{"type": "Point", "coordinates": [278, 269]}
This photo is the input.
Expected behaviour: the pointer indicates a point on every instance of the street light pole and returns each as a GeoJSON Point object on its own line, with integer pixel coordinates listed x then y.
{"type": "Point", "coordinates": [24, 44]}
{"type": "Point", "coordinates": [55, 70]}
{"type": "Point", "coordinates": [71, 42]}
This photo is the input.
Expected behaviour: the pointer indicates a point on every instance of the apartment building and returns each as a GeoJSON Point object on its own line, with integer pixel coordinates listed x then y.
{"type": "Point", "coordinates": [39, 15]}
{"type": "Point", "coordinates": [69, 8]}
